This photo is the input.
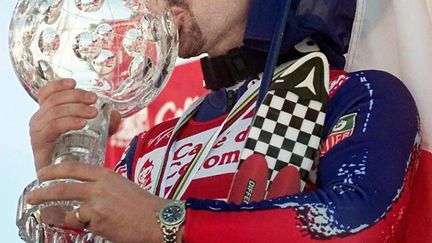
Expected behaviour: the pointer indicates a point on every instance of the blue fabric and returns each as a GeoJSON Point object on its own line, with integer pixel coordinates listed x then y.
{"type": "Point", "coordinates": [328, 22]}
{"type": "Point", "coordinates": [128, 157]}
{"type": "Point", "coordinates": [216, 102]}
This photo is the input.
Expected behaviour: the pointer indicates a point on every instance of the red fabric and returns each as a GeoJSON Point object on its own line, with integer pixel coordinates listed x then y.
{"type": "Point", "coordinates": [209, 227]}
{"type": "Point", "coordinates": [215, 187]}
{"type": "Point", "coordinates": [250, 181]}
{"type": "Point", "coordinates": [420, 207]}
{"type": "Point", "coordinates": [282, 225]}
{"type": "Point", "coordinates": [216, 173]}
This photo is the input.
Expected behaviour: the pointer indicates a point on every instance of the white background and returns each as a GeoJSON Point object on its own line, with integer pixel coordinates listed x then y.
{"type": "Point", "coordinates": [16, 160]}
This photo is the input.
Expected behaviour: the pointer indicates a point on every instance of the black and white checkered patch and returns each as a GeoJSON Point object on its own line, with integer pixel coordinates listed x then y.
{"type": "Point", "coordinates": [290, 135]}
{"type": "Point", "coordinates": [287, 126]}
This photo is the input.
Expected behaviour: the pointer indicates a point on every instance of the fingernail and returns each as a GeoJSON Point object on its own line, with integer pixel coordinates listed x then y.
{"type": "Point", "coordinates": [90, 96]}
{"type": "Point", "coordinates": [40, 173]}
{"type": "Point", "coordinates": [90, 110]}
{"type": "Point", "coordinates": [28, 198]}
{"type": "Point", "coordinates": [81, 122]}
{"type": "Point", "coordinates": [68, 82]}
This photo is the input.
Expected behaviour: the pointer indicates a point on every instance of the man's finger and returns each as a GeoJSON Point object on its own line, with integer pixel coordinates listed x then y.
{"type": "Point", "coordinates": [69, 110]}
{"type": "Point", "coordinates": [52, 130]}
{"type": "Point", "coordinates": [64, 97]}
{"type": "Point", "coordinates": [71, 191]}
{"type": "Point", "coordinates": [67, 97]}
{"type": "Point", "coordinates": [79, 218]}
{"type": "Point", "coordinates": [53, 87]}
{"type": "Point", "coordinates": [72, 170]}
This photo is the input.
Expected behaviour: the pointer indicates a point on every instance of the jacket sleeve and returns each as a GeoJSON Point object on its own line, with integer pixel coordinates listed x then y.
{"type": "Point", "coordinates": [328, 22]}
{"type": "Point", "coordinates": [368, 159]}
{"type": "Point", "coordinates": [124, 166]}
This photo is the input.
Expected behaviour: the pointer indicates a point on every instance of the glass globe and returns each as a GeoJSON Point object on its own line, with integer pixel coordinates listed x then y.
{"type": "Point", "coordinates": [122, 49]}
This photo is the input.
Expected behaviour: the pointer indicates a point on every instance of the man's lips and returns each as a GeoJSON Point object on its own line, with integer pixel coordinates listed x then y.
{"type": "Point", "coordinates": [177, 14]}
{"type": "Point", "coordinates": [176, 11]}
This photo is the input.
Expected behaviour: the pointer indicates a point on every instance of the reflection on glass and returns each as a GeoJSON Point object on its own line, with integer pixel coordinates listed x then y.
{"type": "Point", "coordinates": [124, 50]}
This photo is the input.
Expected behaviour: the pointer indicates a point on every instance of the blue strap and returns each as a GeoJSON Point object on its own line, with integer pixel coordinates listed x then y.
{"type": "Point", "coordinates": [274, 51]}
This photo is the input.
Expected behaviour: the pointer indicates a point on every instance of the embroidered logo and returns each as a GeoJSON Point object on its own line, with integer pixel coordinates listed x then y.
{"type": "Point", "coordinates": [343, 129]}
{"type": "Point", "coordinates": [163, 135]}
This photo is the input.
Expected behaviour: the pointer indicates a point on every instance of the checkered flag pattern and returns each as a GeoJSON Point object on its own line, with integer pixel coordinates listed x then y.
{"type": "Point", "coordinates": [287, 128]}
{"type": "Point", "coordinates": [287, 131]}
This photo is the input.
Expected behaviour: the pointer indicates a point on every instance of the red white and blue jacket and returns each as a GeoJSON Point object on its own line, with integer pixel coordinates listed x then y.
{"type": "Point", "coordinates": [365, 170]}
{"type": "Point", "coordinates": [362, 181]}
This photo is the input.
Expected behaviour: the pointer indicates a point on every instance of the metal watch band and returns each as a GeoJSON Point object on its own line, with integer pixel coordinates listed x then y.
{"type": "Point", "coordinates": [169, 234]}
{"type": "Point", "coordinates": [170, 218]}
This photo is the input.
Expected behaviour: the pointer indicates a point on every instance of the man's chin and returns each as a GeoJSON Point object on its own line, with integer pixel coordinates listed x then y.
{"type": "Point", "coordinates": [186, 55]}
{"type": "Point", "coordinates": [188, 51]}
{"type": "Point", "coordinates": [182, 54]}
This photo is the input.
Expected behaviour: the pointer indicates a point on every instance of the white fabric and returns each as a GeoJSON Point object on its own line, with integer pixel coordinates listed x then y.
{"type": "Point", "coordinates": [396, 36]}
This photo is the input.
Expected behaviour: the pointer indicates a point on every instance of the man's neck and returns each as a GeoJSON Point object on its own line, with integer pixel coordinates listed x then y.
{"type": "Point", "coordinates": [231, 39]}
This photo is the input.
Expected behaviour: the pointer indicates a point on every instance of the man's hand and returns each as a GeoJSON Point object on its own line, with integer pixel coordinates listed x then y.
{"type": "Point", "coordinates": [62, 108]}
{"type": "Point", "coordinates": [111, 206]}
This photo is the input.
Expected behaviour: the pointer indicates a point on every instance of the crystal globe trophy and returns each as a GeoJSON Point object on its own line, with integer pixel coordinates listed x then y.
{"type": "Point", "coordinates": [123, 50]}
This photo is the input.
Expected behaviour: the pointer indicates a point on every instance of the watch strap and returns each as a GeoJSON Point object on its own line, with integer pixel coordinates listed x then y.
{"type": "Point", "coordinates": [169, 233]}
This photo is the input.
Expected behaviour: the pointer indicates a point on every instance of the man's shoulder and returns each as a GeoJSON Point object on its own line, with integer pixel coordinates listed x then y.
{"type": "Point", "coordinates": [365, 81]}
{"type": "Point", "coordinates": [158, 135]}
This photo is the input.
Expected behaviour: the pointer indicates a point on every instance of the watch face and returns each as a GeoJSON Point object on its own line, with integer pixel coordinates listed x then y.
{"type": "Point", "coordinates": [172, 214]}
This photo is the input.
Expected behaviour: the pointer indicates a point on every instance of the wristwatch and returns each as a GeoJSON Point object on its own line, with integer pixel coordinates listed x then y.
{"type": "Point", "coordinates": [171, 217]}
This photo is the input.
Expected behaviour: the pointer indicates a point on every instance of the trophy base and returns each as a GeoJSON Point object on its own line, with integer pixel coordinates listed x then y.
{"type": "Point", "coordinates": [43, 222]}
{"type": "Point", "coordinates": [32, 228]}
{"type": "Point", "coordinates": [45, 233]}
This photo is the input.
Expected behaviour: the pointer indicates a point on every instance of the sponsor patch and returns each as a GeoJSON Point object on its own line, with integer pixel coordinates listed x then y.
{"type": "Point", "coordinates": [343, 129]}
{"type": "Point", "coordinates": [249, 191]}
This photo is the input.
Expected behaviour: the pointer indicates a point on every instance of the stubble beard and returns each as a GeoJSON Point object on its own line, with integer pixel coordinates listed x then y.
{"type": "Point", "coordinates": [191, 38]}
